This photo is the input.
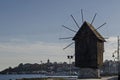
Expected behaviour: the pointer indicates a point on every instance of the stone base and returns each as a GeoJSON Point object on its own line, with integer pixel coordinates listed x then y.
{"type": "Point", "coordinates": [86, 73]}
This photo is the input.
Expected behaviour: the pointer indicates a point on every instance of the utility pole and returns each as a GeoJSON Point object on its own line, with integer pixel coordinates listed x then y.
{"type": "Point", "coordinates": [118, 56]}
{"type": "Point", "coordinates": [118, 59]}
{"type": "Point", "coordinates": [118, 49]}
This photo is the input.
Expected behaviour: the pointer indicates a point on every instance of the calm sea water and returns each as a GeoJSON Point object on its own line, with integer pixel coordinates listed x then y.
{"type": "Point", "coordinates": [14, 77]}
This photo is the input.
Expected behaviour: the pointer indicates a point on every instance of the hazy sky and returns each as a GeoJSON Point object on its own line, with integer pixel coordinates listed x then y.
{"type": "Point", "coordinates": [30, 29]}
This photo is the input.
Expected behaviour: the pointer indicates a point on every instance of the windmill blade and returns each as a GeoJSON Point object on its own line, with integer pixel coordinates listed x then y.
{"type": "Point", "coordinates": [68, 45]}
{"type": "Point", "coordinates": [68, 28]}
{"type": "Point", "coordinates": [93, 18]}
{"type": "Point", "coordinates": [101, 26]}
{"type": "Point", "coordinates": [75, 21]}
{"type": "Point", "coordinates": [82, 15]}
{"type": "Point", "coordinates": [66, 38]}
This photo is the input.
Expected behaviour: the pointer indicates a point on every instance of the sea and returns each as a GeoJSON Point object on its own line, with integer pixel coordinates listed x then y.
{"type": "Point", "coordinates": [19, 76]}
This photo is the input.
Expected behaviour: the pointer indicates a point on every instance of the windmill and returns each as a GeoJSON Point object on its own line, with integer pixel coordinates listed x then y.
{"type": "Point", "coordinates": [89, 44]}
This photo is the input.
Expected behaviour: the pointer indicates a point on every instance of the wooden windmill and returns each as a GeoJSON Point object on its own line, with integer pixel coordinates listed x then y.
{"type": "Point", "coordinates": [89, 45]}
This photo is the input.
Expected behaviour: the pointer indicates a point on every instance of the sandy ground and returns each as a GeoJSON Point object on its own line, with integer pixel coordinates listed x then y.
{"type": "Point", "coordinates": [103, 78]}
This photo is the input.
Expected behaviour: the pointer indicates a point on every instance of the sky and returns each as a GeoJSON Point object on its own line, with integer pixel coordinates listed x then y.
{"type": "Point", "coordinates": [30, 29]}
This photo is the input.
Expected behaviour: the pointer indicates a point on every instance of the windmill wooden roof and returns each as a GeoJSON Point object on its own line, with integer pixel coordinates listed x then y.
{"type": "Point", "coordinates": [95, 32]}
